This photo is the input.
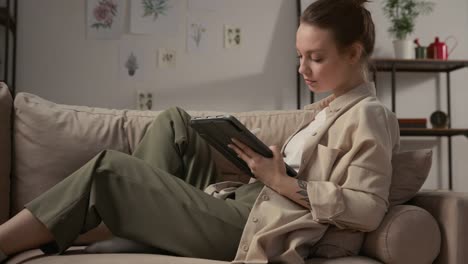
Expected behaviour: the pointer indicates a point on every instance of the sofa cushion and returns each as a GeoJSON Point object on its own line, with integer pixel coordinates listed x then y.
{"type": "Point", "coordinates": [5, 151]}
{"type": "Point", "coordinates": [407, 235]}
{"type": "Point", "coordinates": [74, 256]}
{"type": "Point", "coordinates": [337, 243]}
{"type": "Point", "coordinates": [346, 260]}
{"type": "Point", "coordinates": [410, 171]}
{"type": "Point", "coordinates": [53, 140]}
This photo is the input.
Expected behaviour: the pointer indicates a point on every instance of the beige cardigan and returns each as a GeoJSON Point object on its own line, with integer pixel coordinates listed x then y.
{"type": "Point", "coordinates": [347, 164]}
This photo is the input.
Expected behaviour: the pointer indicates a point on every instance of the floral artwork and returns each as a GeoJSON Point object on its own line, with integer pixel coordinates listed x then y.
{"type": "Point", "coordinates": [200, 37]}
{"type": "Point", "coordinates": [167, 58]}
{"type": "Point", "coordinates": [156, 17]}
{"type": "Point", "coordinates": [131, 64]}
{"type": "Point", "coordinates": [105, 19]}
{"type": "Point", "coordinates": [134, 62]}
{"type": "Point", "coordinates": [232, 36]}
{"type": "Point", "coordinates": [104, 14]}
{"type": "Point", "coordinates": [197, 31]}
{"type": "Point", "coordinates": [155, 8]}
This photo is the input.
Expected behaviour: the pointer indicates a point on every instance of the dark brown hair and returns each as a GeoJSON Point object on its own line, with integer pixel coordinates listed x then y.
{"type": "Point", "coordinates": [348, 20]}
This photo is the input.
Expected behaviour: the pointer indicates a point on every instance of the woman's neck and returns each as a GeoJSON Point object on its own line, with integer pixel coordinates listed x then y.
{"type": "Point", "coordinates": [349, 85]}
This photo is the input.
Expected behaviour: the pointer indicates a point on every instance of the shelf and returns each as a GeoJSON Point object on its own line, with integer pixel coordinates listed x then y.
{"type": "Point", "coordinates": [433, 132]}
{"type": "Point", "coordinates": [4, 16]}
{"type": "Point", "coordinates": [417, 65]}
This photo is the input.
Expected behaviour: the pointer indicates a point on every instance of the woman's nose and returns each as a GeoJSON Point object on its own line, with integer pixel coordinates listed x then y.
{"type": "Point", "coordinates": [303, 68]}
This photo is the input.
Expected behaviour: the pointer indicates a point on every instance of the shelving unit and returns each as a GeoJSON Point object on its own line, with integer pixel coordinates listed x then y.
{"type": "Point", "coordinates": [8, 25]}
{"type": "Point", "coordinates": [427, 65]}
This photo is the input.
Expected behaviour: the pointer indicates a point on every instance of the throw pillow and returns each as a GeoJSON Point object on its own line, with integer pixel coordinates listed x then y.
{"type": "Point", "coordinates": [54, 140]}
{"type": "Point", "coordinates": [410, 171]}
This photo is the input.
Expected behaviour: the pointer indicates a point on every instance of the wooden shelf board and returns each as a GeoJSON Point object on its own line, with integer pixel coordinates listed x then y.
{"type": "Point", "coordinates": [418, 65]}
{"type": "Point", "coordinates": [433, 132]}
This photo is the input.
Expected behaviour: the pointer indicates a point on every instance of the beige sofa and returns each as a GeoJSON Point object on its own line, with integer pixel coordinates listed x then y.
{"type": "Point", "coordinates": [52, 140]}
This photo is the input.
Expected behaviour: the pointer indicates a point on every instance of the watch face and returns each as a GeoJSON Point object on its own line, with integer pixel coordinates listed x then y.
{"type": "Point", "coordinates": [439, 119]}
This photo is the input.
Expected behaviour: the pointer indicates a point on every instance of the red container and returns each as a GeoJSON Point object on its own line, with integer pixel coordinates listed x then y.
{"type": "Point", "coordinates": [439, 50]}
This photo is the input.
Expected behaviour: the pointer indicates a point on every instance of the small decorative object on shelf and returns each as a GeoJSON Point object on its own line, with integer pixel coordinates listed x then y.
{"type": "Point", "coordinates": [420, 51]}
{"type": "Point", "coordinates": [439, 50]}
{"type": "Point", "coordinates": [439, 119]}
{"type": "Point", "coordinates": [412, 122]}
{"type": "Point", "coordinates": [402, 15]}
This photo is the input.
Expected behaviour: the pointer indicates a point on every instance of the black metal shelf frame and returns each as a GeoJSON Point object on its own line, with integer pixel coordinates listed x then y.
{"type": "Point", "coordinates": [10, 23]}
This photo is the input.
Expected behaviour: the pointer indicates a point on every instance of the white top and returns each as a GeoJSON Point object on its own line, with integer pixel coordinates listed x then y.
{"type": "Point", "coordinates": [295, 146]}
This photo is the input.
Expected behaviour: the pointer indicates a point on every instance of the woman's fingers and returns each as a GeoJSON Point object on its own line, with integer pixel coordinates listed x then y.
{"type": "Point", "coordinates": [239, 152]}
{"type": "Point", "coordinates": [243, 156]}
{"type": "Point", "coordinates": [246, 149]}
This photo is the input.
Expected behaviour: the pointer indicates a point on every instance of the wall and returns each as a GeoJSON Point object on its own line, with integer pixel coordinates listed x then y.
{"type": "Point", "coordinates": [57, 62]}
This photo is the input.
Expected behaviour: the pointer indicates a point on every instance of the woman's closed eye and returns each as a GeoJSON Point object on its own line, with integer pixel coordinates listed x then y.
{"type": "Point", "coordinates": [318, 60]}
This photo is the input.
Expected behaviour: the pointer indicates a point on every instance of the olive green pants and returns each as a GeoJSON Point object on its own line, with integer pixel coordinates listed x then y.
{"type": "Point", "coordinates": [153, 196]}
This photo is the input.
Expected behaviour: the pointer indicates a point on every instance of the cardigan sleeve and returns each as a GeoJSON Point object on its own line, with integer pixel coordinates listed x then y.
{"type": "Point", "coordinates": [361, 201]}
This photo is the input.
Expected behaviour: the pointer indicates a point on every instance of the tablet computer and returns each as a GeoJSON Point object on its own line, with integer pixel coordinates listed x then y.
{"type": "Point", "coordinates": [218, 131]}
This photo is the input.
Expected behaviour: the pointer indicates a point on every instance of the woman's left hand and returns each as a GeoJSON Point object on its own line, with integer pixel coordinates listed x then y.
{"type": "Point", "coordinates": [268, 170]}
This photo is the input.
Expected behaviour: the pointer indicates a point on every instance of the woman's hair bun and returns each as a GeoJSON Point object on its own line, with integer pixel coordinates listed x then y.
{"type": "Point", "coordinates": [360, 2]}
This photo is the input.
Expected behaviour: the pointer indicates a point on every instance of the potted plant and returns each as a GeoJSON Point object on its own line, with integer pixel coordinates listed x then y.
{"type": "Point", "coordinates": [402, 15]}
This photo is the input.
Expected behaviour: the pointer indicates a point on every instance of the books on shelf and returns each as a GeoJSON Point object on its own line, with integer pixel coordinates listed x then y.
{"type": "Point", "coordinates": [412, 122]}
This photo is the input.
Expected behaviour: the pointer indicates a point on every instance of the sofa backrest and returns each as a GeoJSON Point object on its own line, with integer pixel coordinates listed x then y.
{"type": "Point", "coordinates": [5, 151]}
{"type": "Point", "coordinates": [53, 140]}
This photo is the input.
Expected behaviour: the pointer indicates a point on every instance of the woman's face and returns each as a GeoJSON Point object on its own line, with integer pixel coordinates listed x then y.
{"type": "Point", "coordinates": [323, 67]}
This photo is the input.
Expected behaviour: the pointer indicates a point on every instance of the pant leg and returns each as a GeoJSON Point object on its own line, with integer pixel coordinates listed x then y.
{"type": "Point", "coordinates": [172, 145]}
{"type": "Point", "coordinates": [142, 203]}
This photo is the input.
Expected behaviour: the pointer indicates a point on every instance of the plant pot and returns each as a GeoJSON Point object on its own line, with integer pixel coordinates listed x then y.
{"type": "Point", "coordinates": [404, 49]}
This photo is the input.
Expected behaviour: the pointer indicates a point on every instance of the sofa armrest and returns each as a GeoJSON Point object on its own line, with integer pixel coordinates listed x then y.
{"type": "Point", "coordinates": [450, 209]}
{"type": "Point", "coordinates": [407, 235]}
{"type": "Point", "coordinates": [5, 151]}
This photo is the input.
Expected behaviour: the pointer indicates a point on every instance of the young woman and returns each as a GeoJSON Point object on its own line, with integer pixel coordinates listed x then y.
{"type": "Point", "coordinates": [342, 152]}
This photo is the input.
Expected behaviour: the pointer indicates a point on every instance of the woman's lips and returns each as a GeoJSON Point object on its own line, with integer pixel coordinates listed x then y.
{"type": "Point", "coordinates": [310, 82]}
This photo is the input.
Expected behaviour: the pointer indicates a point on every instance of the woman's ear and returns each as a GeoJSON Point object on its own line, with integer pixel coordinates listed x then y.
{"type": "Point", "coordinates": [355, 53]}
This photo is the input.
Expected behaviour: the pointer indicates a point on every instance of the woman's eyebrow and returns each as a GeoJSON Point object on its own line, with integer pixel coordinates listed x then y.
{"type": "Point", "coordinates": [311, 51]}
